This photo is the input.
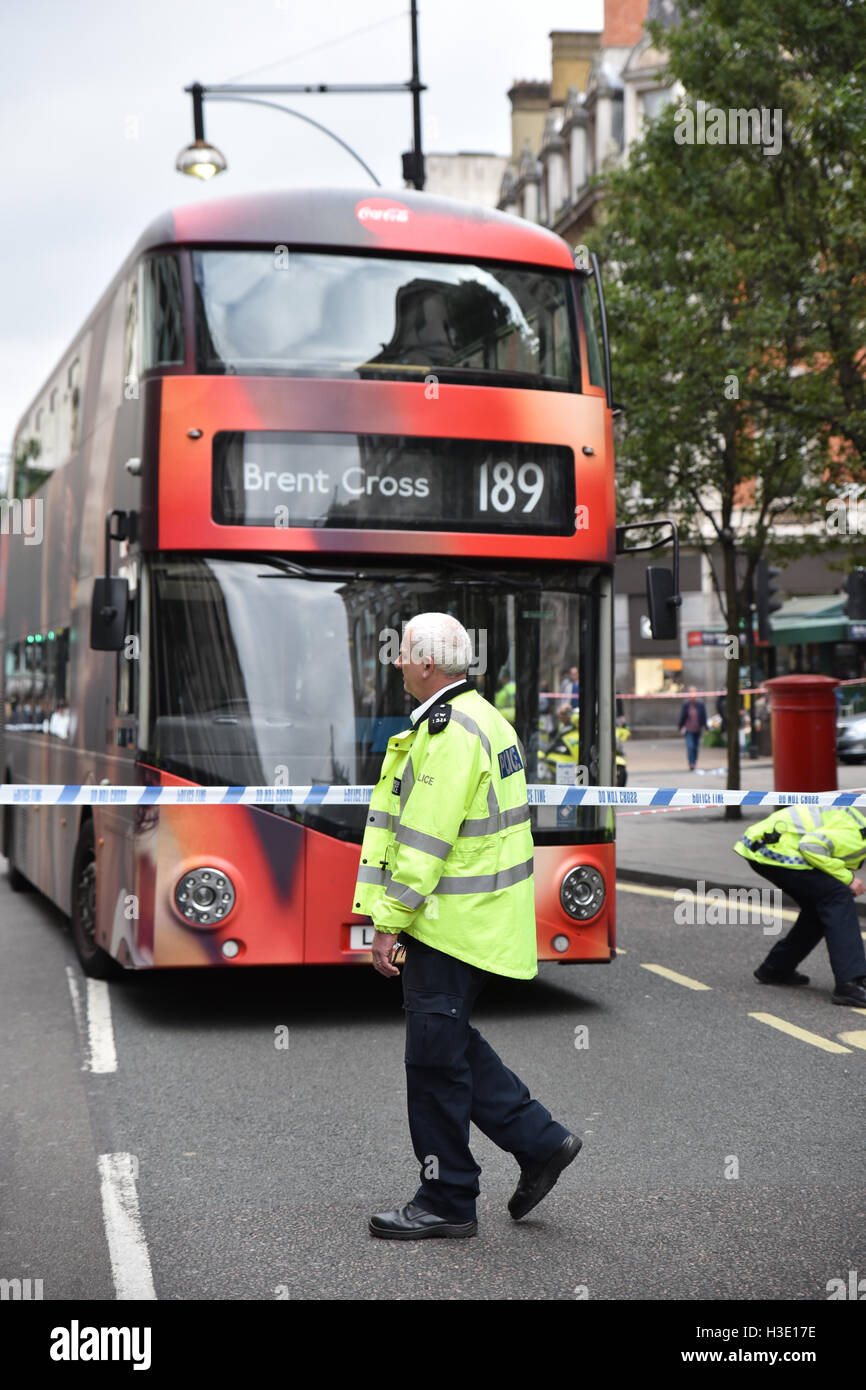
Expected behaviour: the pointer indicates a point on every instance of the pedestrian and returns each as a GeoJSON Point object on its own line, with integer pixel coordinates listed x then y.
{"type": "Point", "coordinates": [811, 855]}
{"type": "Point", "coordinates": [570, 685]}
{"type": "Point", "coordinates": [446, 874]}
{"type": "Point", "coordinates": [721, 711]}
{"type": "Point", "coordinates": [693, 721]}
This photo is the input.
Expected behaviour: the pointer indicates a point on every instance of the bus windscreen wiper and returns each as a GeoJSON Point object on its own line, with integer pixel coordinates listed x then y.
{"type": "Point", "coordinates": [292, 570]}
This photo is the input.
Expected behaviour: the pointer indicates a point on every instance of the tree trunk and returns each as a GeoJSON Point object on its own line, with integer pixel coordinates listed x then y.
{"type": "Point", "coordinates": [732, 683]}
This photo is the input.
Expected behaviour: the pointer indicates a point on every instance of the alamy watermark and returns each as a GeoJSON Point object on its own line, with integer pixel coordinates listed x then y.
{"type": "Point", "coordinates": [22, 518]}
{"type": "Point", "coordinates": [713, 125]}
{"type": "Point", "coordinates": [443, 650]}
{"type": "Point", "coordinates": [717, 907]}
{"type": "Point", "coordinates": [846, 514]}
{"type": "Point", "coordinates": [852, 1288]}
{"type": "Point", "coordinates": [20, 1289]}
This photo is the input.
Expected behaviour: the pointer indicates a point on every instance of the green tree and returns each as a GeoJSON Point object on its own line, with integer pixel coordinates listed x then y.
{"type": "Point", "coordinates": [27, 477]}
{"type": "Point", "coordinates": [736, 292]}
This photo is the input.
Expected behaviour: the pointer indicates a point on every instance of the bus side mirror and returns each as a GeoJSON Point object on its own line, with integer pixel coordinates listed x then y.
{"type": "Point", "coordinates": [108, 614]}
{"type": "Point", "coordinates": [662, 603]}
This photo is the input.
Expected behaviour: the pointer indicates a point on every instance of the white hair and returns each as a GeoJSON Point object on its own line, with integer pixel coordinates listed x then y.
{"type": "Point", "coordinates": [439, 638]}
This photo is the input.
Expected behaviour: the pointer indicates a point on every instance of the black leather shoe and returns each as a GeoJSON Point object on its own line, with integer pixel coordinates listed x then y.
{"type": "Point", "coordinates": [412, 1222]}
{"type": "Point", "coordinates": [851, 992]}
{"type": "Point", "coordinates": [768, 976]}
{"type": "Point", "coordinates": [534, 1186]}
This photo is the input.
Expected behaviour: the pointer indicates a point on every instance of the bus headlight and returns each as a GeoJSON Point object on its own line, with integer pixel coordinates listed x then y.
{"type": "Point", "coordinates": [582, 892]}
{"type": "Point", "coordinates": [204, 897]}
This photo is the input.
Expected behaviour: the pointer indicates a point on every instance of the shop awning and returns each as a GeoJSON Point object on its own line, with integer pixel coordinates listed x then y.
{"type": "Point", "coordinates": [810, 618]}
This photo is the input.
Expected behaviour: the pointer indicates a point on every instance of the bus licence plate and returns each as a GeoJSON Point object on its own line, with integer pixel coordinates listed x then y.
{"type": "Point", "coordinates": [361, 938]}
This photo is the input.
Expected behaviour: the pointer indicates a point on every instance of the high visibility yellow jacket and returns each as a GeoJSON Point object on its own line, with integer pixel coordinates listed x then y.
{"type": "Point", "coordinates": [797, 837]}
{"type": "Point", "coordinates": [448, 854]}
{"type": "Point", "coordinates": [564, 747]}
{"type": "Point", "coordinates": [504, 700]}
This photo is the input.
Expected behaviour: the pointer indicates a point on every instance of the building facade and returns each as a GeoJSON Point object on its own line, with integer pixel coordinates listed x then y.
{"type": "Point", "coordinates": [603, 90]}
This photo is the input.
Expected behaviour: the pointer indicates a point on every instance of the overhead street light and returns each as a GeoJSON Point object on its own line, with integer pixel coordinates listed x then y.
{"type": "Point", "coordinates": [202, 160]}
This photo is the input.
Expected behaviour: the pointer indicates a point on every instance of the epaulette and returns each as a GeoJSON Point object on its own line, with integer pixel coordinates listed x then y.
{"type": "Point", "coordinates": [438, 718]}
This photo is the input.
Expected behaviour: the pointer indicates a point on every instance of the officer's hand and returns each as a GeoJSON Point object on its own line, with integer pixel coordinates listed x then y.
{"type": "Point", "coordinates": [857, 887]}
{"type": "Point", "coordinates": [383, 944]}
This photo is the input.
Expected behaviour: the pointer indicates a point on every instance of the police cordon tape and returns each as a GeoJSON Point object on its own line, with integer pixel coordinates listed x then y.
{"type": "Point", "coordinates": [58, 794]}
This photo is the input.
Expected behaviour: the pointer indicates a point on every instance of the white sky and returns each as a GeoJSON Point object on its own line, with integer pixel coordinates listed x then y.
{"type": "Point", "coordinates": [77, 77]}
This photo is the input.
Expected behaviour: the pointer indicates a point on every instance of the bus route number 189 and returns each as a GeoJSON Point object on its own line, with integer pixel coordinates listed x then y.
{"type": "Point", "coordinates": [499, 491]}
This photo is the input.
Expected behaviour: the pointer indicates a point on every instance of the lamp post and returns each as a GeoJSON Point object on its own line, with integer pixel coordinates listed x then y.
{"type": "Point", "coordinates": [203, 160]}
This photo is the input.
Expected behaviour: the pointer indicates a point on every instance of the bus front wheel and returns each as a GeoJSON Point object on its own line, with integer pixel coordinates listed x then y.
{"type": "Point", "coordinates": [95, 962]}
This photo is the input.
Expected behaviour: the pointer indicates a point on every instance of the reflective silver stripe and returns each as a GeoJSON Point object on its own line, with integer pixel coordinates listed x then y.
{"type": "Point", "coordinates": [818, 844]}
{"type": "Point", "coordinates": [404, 894]}
{"type": "Point", "coordinates": [382, 819]}
{"type": "Point", "coordinates": [484, 825]}
{"type": "Point", "coordinates": [486, 883]}
{"type": "Point", "coordinates": [417, 839]}
{"type": "Point", "coordinates": [472, 728]}
{"type": "Point", "coordinates": [491, 825]}
{"type": "Point", "coordinates": [407, 782]}
{"type": "Point", "coordinates": [368, 874]}
{"type": "Point", "coordinates": [797, 817]}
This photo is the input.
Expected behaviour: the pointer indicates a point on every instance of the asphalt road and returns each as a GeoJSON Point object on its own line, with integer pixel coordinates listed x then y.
{"type": "Point", "coordinates": [256, 1166]}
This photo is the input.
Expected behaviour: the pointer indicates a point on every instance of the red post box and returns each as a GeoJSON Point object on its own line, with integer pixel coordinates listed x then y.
{"type": "Point", "coordinates": [803, 717]}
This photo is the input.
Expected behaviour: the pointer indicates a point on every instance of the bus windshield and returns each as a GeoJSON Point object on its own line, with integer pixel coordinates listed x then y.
{"type": "Point", "coordinates": [382, 318]}
{"type": "Point", "coordinates": [264, 676]}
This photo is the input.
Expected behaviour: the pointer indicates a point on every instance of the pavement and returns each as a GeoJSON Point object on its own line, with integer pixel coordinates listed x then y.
{"type": "Point", "coordinates": [681, 846]}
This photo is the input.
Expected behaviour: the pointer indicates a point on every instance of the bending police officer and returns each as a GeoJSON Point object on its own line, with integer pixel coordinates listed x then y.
{"type": "Point", "coordinates": [811, 855]}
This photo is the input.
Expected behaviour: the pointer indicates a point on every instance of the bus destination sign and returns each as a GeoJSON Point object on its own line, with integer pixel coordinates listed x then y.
{"type": "Point", "coordinates": [388, 482]}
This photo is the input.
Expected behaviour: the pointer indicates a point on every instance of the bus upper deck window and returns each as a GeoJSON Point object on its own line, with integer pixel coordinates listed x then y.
{"type": "Point", "coordinates": [162, 338]}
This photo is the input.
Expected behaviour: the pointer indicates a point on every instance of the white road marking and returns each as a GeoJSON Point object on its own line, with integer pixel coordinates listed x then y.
{"type": "Point", "coordinates": [103, 1056]}
{"type": "Point", "coordinates": [127, 1247]}
{"type": "Point", "coordinates": [93, 1019]}
{"type": "Point", "coordinates": [78, 1010]}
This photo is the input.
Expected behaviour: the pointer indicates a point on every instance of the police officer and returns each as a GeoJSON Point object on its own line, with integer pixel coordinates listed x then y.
{"type": "Point", "coordinates": [446, 866]}
{"type": "Point", "coordinates": [564, 746]}
{"type": "Point", "coordinates": [811, 855]}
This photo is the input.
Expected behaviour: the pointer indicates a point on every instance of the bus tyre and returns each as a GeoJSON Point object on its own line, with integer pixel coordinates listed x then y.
{"type": "Point", "coordinates": [17, 882]}
{"type": "Point", "coordinates": [621, 776]}
{"type": "Point", "coordinates": [95, 962]}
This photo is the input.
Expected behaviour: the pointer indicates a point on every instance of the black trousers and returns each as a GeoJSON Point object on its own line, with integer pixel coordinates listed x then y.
{"type": "Point", "coordinates": [453, 1077]}
{"type": "Point", "coordinates": [827, 909]}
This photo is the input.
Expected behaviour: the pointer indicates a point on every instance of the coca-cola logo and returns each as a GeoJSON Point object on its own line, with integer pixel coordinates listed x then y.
{"type": "Point", "coordinates": [380, 213]}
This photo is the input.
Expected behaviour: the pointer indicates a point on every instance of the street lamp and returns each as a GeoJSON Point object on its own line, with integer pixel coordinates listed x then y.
{"type": "Point", "coordinates": [199, 159]}
{"type": "Point", "coordinates": [203, 160]}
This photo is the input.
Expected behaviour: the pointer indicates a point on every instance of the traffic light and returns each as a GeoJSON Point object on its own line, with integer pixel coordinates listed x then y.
{"type": "Point", "coordinates": [855, 588]}
{"type": "Point", "coordinates": [413, 168]}
{"type": "Point", "coordinates": [767, 600]}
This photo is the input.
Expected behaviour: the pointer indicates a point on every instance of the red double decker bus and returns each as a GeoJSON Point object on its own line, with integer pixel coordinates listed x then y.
{"type": "Point", "coordinates": [293, 421]}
